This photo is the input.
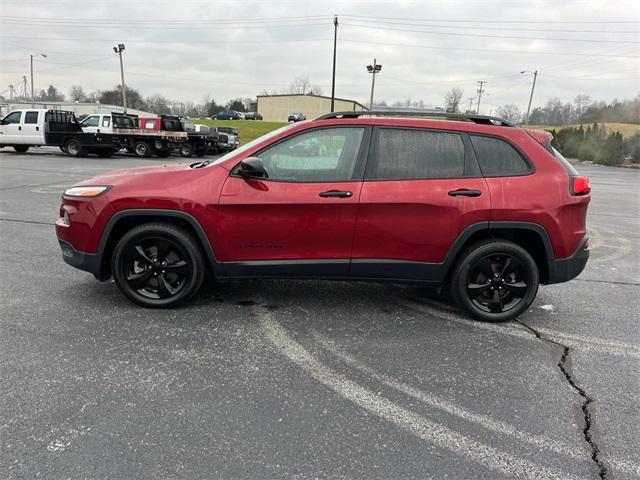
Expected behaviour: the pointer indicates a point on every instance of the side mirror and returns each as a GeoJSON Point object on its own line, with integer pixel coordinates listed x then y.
{"type": "Point", "coordinates": [252, 167]}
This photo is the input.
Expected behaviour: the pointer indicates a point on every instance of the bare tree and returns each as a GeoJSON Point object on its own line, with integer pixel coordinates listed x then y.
{"type": "Point", "coordinates": [77, 94]}
{"type": "Point", "coordinates": [299, 84]}
{"type": "Point", "coordinates": [510, 113]}
{"type": "Point", "coordinates": [316, 90]}
{"type": "Point", "coordinates": [452, 100]}
{"type": "Point", "coordinates": [581, 103]}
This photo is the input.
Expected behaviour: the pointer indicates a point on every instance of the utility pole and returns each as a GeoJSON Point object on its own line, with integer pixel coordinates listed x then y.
{"type": "Point", "coordinates": [373, 69]}
{"type": "Point", "coordinates": [470, 104]}
{"type": "Point", "coordinates": [533, 86]}
{"type": "Point", "coordinates": [33, 97]}
{"type": "Point", "coordinates": [333, 76]}
{"type": "Point", "coordinates": [480, 92]}
{"type": "Point", "coordinates": [119, 49]}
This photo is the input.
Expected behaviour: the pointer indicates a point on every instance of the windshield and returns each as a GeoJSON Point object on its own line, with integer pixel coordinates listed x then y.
{"type": "Point", "coordinates": [251, 144]}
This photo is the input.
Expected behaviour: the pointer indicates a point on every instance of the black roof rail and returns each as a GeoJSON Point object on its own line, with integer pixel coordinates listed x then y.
{"type": "Point", "coordinates": [481, 119]}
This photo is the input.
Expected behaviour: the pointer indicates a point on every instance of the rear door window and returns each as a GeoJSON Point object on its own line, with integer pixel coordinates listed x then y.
{"type": "Point", "coordinates": [410, 154]}
{"type": "Point", "coordinates": [31, 117]}
{"type": "Point", "coordinates": [498, 158]}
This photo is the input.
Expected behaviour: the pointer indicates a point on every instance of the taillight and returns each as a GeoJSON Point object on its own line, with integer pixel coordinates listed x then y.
{"type": "Point", "coordinates": [580, 185]}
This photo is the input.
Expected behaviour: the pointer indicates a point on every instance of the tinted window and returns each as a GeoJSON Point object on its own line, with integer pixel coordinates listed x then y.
{"type": "Point", "coordinates": [417, 154]}
{"type": "Point", "coordinates": [13, 117]}
{"type": "Point", "coordinates": [92, 121]}
{"type": "Point", "coordinates": [324, 155]}
{"type": "Point", "coordinates": [106, 121]}
{"type": "Point", "coordinates": [497, 157]}
{"type": "Point", "coordinates": [121, 121]}
{"type": "Point", "coordinates": [31, 117]}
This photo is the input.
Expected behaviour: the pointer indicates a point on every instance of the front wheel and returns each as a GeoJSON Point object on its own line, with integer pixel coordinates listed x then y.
{"type": "Point", "coordinates": [158, 265]}
{"type": "Point", "coordinates": [21, 148]}
{"type": "Point", "coordinates": [186, 150]}
{"type": "Point", "coordinates": [495, 280]}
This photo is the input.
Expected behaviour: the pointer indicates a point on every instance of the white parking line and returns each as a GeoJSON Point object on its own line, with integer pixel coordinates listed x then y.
{"type": "Point", "coordinates": [484, 421]}
{"type": "Point", "coordinates": [403, 418]}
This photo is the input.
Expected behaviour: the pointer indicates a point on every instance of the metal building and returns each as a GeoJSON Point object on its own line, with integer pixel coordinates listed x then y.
{"type": "Point", "coordinates": [276, 108]}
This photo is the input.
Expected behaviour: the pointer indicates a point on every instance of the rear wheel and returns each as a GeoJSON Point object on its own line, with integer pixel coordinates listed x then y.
{"type": "Point", "coordinates": [142, 149]}
{"type": "Point", "coordinates": [74, 149]}
{"type": "Point", "coordinates": [495, 280]}
{"type": "Point", "coordinates": [158, 265]}
{"type": "Point", "coordinates": [21, 148]}
{"type": "Point", "coordinates": [186, 150]}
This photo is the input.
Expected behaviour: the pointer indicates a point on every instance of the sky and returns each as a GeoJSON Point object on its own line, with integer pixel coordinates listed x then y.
{"type": "Point", "coordinates": [186, 49]}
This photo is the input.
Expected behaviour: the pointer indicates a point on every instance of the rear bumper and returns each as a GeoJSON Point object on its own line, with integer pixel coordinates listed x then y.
{"type": "Point", "coordinates": [568, 268]}
{"type": "Point", "coordinates": [84, 261]}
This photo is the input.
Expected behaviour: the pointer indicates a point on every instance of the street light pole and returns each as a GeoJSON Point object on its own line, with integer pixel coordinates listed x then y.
{"type": "Point", "coordinates": [33, 97]}
{"type": "Point", "coordinates": [119, 49]}
{"type": "Point", "coordinates": [333, 76]}
{"type": "Point", "coordinates": [373, 69]}
{"type": "Point", "coordinates": [533, 86]}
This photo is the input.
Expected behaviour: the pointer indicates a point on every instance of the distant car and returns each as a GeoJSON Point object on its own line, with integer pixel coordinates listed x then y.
{"type": "Point", "coordinates": [227, 115]}
{"type": "Point", "coordinates": [296, 117]}
{"type": "Point", "coordinates": [252, 116]}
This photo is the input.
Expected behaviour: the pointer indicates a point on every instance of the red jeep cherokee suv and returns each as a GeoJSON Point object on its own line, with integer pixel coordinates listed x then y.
{"type": "Point", "coordinates": [470, 201]}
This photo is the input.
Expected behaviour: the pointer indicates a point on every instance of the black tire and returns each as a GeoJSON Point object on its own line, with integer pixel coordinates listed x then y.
{"type": "Point", "coordinates": [142, 149]}
{"type": "Point", "coordinates": [494, 280]}
{"type": "Point", "coordinates": [186, 150]}
{"type": "Point", "coordinates": [163, 153]}
{"type": "Point", "coordinates": [142, 258]}
{"type": "Point", "coordinates": [21, 148]}
{"type": "Point", "coordinates": [74, 149]}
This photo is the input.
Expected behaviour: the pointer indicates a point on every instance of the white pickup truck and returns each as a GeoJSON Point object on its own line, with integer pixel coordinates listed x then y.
{"type": "Point", "coordinates": [109, 123]}
{"type": "Point", "coordinates": [35, 127]}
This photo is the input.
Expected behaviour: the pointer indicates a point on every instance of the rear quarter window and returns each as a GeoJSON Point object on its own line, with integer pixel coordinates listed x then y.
{"type": "Point", "coordinates": [498, 157]}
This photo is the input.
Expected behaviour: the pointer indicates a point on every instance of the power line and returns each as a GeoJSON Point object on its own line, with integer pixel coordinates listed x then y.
{"type": "Point", "coordinates": [456, 34]}
{"type": "Point", "coordinates": [481, 50]}
{"type": "Point", "coordinates": [546, 21]}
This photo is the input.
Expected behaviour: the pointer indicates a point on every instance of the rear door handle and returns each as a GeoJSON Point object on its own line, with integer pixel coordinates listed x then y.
{"type": "Point", "coordinates": [465, 192]}
{"type": "Point", "coordinates": [336, 194]}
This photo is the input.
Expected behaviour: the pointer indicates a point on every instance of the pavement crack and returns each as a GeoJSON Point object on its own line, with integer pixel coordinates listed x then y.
{"type": "Point", "coordinates": [587, 400]}
{"type": "Point", "coordinates": [30, 222]}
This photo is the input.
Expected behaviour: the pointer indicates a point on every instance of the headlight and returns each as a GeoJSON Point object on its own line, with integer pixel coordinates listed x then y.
{"type": "Point", "coordinates": [92, 191]}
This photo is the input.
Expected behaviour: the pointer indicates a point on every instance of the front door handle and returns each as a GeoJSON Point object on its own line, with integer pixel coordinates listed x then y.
{"type": "Point", "coordinates": [465, 192]}
{"type": "Point", "coordinates": [336, 194]}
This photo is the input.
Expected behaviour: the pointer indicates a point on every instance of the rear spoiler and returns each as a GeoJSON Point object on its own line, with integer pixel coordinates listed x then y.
{"type": "Point", "coordinates": [540, 136]}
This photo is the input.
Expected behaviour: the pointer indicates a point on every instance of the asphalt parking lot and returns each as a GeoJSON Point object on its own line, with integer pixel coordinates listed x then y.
{"type": "Point", "coordinates": [282, 379]}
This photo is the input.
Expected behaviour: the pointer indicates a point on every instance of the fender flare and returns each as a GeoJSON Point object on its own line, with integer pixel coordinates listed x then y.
{"type": "Point", "coordinates": [153, 212]}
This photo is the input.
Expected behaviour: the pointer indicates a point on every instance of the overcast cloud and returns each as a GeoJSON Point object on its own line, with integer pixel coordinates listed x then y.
{"type": "Point", "coordinates": [187, 49]}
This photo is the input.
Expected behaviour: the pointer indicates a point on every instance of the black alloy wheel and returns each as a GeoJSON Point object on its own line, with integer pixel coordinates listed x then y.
{"type": "Point", "coordinates": [495, 280]}
{"type": "Point", "coordinates": [158, 265]}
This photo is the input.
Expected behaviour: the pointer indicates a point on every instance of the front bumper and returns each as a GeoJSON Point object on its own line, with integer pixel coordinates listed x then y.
{"type": "Point", "coordinates": [569, 268]}
{"type": "Point", "coordinates": [84, 261]}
